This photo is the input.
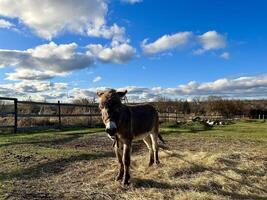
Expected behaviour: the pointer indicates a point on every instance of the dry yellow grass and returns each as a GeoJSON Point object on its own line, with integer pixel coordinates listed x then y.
{"type": "Point", "coordinates": [204, 165]}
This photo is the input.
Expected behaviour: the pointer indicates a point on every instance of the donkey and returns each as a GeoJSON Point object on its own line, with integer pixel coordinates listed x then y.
{"type": "Point", "coordinates": [125, 123]}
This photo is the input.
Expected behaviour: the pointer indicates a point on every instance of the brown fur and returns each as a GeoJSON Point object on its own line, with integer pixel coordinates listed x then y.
{"type": "Point", "coordinates": [128, 123]}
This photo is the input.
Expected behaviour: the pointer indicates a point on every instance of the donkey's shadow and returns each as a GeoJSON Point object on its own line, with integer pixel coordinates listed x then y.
{"type": "Point", "coordinates": [212, 189]}
{"type": "Point", "coordinates": [149, 183]}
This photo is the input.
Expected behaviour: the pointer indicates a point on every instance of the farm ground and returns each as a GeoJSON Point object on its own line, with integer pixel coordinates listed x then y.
{"type": "Point", "coordinates": [225, 162]}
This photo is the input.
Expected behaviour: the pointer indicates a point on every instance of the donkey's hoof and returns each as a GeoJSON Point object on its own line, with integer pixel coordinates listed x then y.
{"type": "Point", "coordinates": [125, 183]}
{"type": "Point", "coordinates": [118, 177]}
{"type": "Point", "coordinates": [125, 180]}
{"type": "Point", "coordinates": [150, 164]}
{"type": "Point", "coordinates": [157, 162]}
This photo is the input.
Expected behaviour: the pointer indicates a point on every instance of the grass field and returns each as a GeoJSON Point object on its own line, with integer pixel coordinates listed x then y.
{"type": "Point", "coordinates": [224, 162]}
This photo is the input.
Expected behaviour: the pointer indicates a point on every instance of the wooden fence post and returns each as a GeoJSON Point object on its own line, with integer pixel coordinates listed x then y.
{"type": "Point", "coordinates": [90, 117]}
{"type": "Point", "coordinates": [166, 115]}
{"type": "Point", "coordinates": [87, 110]}
{"type": "Point", "coordinates": [15, 115]}
{"type": "Point", "coordinates": [169, 113]}
{"type": "Point", "coordinates": [59, 115]}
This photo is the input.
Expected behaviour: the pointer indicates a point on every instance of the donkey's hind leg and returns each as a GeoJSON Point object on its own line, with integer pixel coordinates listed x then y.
{"type": "Point", "coordinates": [154, 139]}
{"type": "Point", "coordinates": [147, 140]}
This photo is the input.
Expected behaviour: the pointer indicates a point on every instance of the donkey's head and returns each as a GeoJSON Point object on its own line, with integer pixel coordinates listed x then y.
{"type": "Point", "coordinates": [109, 104]}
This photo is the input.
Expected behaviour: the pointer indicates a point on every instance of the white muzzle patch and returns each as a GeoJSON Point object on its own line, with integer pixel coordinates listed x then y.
{"type": "Point", "coordinates": [111, 125]}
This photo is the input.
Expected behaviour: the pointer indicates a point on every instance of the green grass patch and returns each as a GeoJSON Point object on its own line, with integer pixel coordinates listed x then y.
{"type": "Point", "coordinates": [45, 136]}
{"type": "Point", "coordinates": [253, 130]}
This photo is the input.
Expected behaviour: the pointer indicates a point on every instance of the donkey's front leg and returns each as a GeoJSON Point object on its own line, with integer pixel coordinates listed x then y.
{"type": "Point", "coordinates": [126, 163]}
{"type": "Point", "coordinates": [118, 148]}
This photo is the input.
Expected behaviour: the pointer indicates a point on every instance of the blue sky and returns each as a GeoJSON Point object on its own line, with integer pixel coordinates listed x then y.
{"type": "Point", "coordinates": [179, 49]}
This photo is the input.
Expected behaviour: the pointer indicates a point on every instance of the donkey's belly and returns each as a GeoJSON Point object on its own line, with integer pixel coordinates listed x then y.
{"type": "Point", "coordinates": [141, 136]}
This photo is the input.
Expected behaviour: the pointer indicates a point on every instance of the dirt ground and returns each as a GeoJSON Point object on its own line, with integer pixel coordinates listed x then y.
{"type": "Point", "coordinates": [212, 164]}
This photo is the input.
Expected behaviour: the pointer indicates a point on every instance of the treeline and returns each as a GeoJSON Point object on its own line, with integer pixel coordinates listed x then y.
{"type": "Point", "coordinates": [214, 105]}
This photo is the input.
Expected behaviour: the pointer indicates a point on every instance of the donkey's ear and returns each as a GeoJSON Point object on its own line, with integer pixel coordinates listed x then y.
{"type": "Point", "coordinates": [122, 93]}
{"type": "Point", "coordinates": [99, 94]}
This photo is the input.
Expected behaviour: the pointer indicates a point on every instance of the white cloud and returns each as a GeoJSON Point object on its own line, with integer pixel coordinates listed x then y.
{"type": "Point", "coordinates": [6, 24]}
{"type": "Point", "coordinates": [96, 79]}
{"type": "Point", "coordinates": [36, 90]}
{"type": "Point", "coordinates": [114, 32]}
{"type": "Point", "coordinates": [84, 93]}
{"type": "Point", "coordinates": [38, 86]}
{"type": "Point", "coordinates": [131, 1]}
{"type": "Point", "coordinates": [225, 55]}
{"type": "Point", "coordinates": [50, 17]}
{"type": "Point", "coordinates": [31, 74]}
{"type": "Point", "coordinates": [208, 41]}
{"type": "Point", "coordinates": [63, 51]}
{"type": "Point", "coordinates": [50, 60]}
{"type": "Point", "coordinates": [45, 61]}
{"type": "Point", "coordinates": [242, 87]}
{"type": "Point", "coordinates": [211, 40]}
{"type": "Point", "coordinates": [166, 42]}
{"type": "Point", "coordinates": [119, 54]}
{"type": "Point", "coordinates": [95, 49]}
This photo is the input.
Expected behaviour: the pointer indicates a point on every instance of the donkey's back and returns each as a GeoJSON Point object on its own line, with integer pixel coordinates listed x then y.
{"type": "Point", "coordinates": [144, 119]}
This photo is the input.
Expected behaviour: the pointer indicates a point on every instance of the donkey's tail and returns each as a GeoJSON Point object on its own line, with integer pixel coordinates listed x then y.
{"type": "Point", "coordinates": [161, 138]}
{"type": "Point", "coordinates": [157, 128]}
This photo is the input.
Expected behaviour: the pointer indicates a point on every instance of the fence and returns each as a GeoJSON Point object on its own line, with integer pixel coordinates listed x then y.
{"type": "Point", "coordinates": [16, 115]}
{"type": "Point", "coordinates": [59, 113]}
{"type": "Point", "coordinates": [92, 113]}
{"type": "Point", "coordinates": [175, 116]}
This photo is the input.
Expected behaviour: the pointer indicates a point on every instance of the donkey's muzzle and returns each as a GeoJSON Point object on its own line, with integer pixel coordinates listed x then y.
{"type": "Point", "coordinates": [111, 128]}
